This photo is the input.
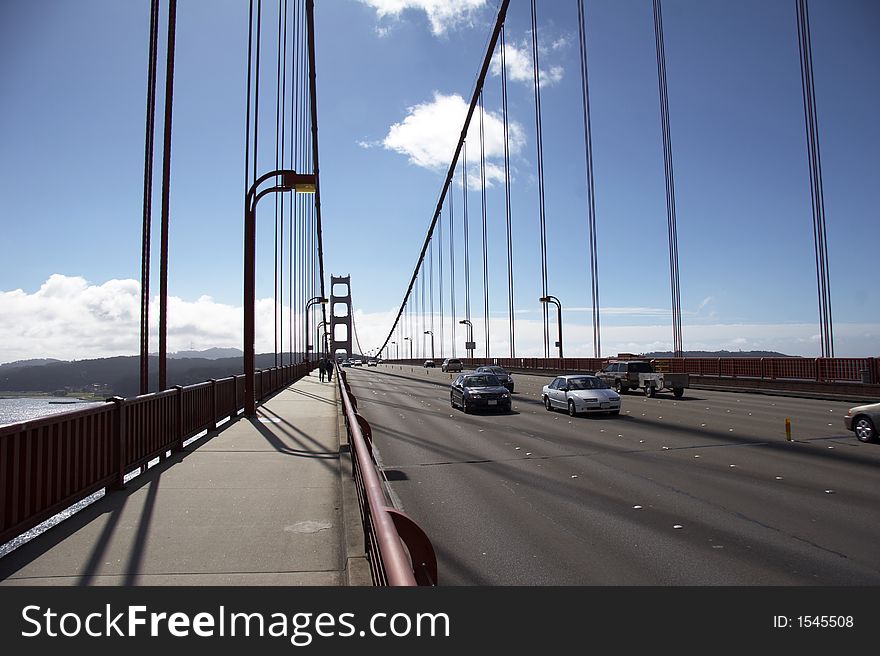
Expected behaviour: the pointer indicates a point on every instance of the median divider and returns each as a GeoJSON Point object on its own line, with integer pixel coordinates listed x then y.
{"type": "Point", "coordinates": [399, 551]}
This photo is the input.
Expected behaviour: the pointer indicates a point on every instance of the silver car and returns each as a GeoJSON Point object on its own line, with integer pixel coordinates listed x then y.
{"type": "Point", "coordinates": [863, 421]}
{"type": "Point", "coordinates": [580, 393]}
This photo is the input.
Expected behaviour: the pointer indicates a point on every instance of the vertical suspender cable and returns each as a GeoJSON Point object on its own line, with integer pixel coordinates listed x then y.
{"type": "Point", "coordinates": [591, 190]}
{"type": "Point", "coordinates": [431, 287]}
{"type": "Point", "coordinates": [440, 280]}
{"type": "Point", "coordinates": [452, 269]}
{"type": "Point", "coordinates": [166, 192]}
{"type": "Point", "coordinates": [817, 201]}
{"type": "Point", "coordinates": [670, 182]}
{"type": "Point", "coordinates": [316, 170]}
{"type": "Point", "coordinates": [283, 165]}
{"type": "Point", "coordinates": [540, 153]}
{"type": "Point", "coordinates": [148, 197]}
{"type": "Point", "coordinates": [467, 258]}
{"type": "Point", "coordinates": [485, 219]}
{"type": "Point", "coordinates": [279, 200]}
{"type": "Point", "coordinates": [507, 214]}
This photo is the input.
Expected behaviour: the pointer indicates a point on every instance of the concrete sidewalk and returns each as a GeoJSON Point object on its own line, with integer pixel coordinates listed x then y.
{"type": "Point", "coordinates": [258, 502]}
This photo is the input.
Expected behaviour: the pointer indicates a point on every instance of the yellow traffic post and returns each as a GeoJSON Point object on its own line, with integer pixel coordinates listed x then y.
{"type": "Point", "coordinates": [788, 429]}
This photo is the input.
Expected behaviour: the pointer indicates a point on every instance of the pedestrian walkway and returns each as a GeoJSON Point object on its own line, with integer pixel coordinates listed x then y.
{"type": "Point", "coordinates": [259, 502]}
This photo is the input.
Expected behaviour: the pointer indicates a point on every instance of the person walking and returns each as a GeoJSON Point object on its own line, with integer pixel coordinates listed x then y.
{"type": "Point", "coordinates": [322, 367]}
{"type": "Point", "coordinates": [329, 365]}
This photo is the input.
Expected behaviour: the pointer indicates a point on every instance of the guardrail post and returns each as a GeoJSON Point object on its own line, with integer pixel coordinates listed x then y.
{"type": "Point", "coordinates": [212, 425]}
{"type": "Point", "coordinates": [179, 427]}
{"type": "Point", "coordinates": [119, 429]}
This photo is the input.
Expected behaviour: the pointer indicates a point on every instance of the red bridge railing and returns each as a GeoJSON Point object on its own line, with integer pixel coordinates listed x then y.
{"type": "Point", "coordinates": [399, 551]}
{"type": "Point", "coordinates": [51, 463]}
{"type": "Point", "coordinates": [821, 370]}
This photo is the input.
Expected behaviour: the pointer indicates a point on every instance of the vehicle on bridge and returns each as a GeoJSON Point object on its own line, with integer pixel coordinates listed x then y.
{"type": "Point", "coordinates": [580, 393]}
{"type": "Point", "coordinates": [451, 364]}
{"type": "Point", "coordinates": [479, 391]}
{"type": "Point", "coordinates": [863, 421]}
{"type": "Point", "coordinates": [372, 362]}
{"type": "Point", "coordinates": [624, 375]}
{"type": "Point", "coordinates": [428, 364]}
{"type": "Point", "coordinates": [500, 373]}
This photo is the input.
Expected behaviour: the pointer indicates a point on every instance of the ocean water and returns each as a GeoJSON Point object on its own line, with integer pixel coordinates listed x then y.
{"type": "Point", "coordinates": [14, 410]}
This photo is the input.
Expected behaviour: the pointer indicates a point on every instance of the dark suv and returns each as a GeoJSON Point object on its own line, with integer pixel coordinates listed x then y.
{"type": "Point", "coordinates": [623, 375]}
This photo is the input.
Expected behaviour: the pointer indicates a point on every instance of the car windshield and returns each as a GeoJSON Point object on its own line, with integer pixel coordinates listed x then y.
{"type": "Point", "coordinates": [585, 383]}
{"type": "Point", "coordinates": [481, 381]}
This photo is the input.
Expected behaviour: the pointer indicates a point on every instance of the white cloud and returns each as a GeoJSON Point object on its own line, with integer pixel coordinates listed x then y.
{"type": "Point", "coordinates": [442, 14]}
{"type": "Point", "coordinates": [69, 318]}
{"type": "Point", "coordinates": [429, 133]}
{"type": "Point", "coordinates": [519, 63]}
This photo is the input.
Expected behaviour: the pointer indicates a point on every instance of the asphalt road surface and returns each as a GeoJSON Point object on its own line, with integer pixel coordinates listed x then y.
{"type": "Point", "coordinates": [702, 490]}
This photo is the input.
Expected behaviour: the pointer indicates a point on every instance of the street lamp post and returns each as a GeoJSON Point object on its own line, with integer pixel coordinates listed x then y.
{"type": "Point", "coordinates": [312, 301]}
{"type": "Point", "coordinates": [470, 345]}
{"type": "Point", "coordinates": [322, 335]}
{"type": "Point", "coordinates": [553, 299]}
{"type": "Point", "coordinates": [431, 333]}
{"type": "Point", "coordinates": [409, 339]}
{"type": "Point", "coordinates": [289, 181]}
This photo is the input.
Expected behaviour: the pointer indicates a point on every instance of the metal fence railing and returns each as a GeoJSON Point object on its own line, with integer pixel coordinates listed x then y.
{"type": "Point", "coordinates": [821, 370]}
{"type": "Point", "coordinates": [398, 550]}
{"type": "Point", "coordinates": [51, 463]}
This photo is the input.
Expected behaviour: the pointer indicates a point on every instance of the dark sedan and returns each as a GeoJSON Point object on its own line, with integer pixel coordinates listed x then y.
{"type": "Point", "coordinates": [479, 391]}
{"type": "Point", "coordinates": [503, 377]}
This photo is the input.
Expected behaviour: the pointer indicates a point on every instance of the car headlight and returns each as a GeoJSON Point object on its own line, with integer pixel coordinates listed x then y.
{"type": "Point", "coordinates": [505, 396]}
{"type": "Point", "coordinates": [475, 396]}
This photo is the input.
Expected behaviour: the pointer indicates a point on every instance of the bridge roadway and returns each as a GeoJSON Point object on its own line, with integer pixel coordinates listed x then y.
{"type": "Point", "coordinates": [259, 502]}
{"type": "Point", "coordinates": [702, 490]}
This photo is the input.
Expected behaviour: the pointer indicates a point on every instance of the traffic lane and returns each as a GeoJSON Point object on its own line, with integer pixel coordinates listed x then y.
{"type": "Point", "coordinates": [545, 470]}
{"type": "Point", "coordinates": [715, 414]}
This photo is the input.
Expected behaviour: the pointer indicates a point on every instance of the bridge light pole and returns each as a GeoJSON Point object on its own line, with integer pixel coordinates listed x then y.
{"type": "Point", "coordinates": [409, 339]}
{"type": "Point", "coordinates": [312, 301]}
{"type": "Point", "coordinates": [322, 336]}
{"type": "Point", "coordinates": [553, 299]}
{"type": "Point", "coordinates": [470, 345]}
{"type": "Point", "coordinates": [431, 333]}
{"type": "Point", "coordinates": [285, 180]}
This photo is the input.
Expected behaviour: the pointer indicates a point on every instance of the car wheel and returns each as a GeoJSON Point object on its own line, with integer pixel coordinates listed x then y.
{"type": "Point", "coordinates": [650, 390]}
{"type": "Point", "coordinates": [618, 387]}
{"type": "Point", "coordinates": [572, 412]}
{"type": "Point", "coordinates": [864, 429]}
{"type": "Point", "coordinates": [547, 404]}
{"type": "Point", "coordinates": [679, 392]}
{"type": "Point", "coordinates": [451, 400]}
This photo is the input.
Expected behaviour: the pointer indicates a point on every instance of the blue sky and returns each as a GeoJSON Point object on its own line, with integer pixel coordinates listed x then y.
{"type": "Point", "coordinates": [389, 75]}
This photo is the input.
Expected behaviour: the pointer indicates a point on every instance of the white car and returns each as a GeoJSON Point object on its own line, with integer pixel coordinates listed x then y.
{"type": "Point", "coordinates": [863, 421]}
{"type": "Point", "coordinates": [579, 393]}
{"type": "Point", "coordinates": [372, 363]}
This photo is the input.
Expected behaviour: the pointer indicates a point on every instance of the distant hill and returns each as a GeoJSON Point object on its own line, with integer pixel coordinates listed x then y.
{"type": "Point", "coordinates": [720, 354]}
{"type": "Point", "coordinates": [208, 354]}
{"type": "Point", "coordinates": [121, 374]}
{"type": "Point", "coordinates": [37, 362]}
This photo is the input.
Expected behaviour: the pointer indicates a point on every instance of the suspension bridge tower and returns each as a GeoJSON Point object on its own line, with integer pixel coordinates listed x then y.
{"type": "Point", "coordinates": [340, 316]}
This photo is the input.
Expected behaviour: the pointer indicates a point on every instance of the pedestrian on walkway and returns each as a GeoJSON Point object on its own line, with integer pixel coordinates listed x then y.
{"type": "Point", "coordinates": [329, 371]}
{"type": "Point", "coordinates": [322, 367]}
